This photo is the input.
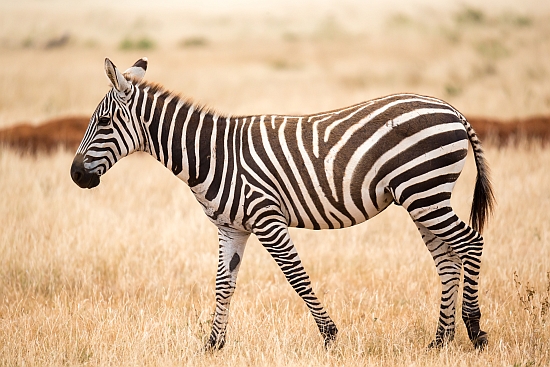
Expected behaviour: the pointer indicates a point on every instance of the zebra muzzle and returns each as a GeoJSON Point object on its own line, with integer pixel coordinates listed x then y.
{"type": "Point", "coordinates": [80, 176]}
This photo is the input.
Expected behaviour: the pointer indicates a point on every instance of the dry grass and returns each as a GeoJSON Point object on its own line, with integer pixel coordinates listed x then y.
{"type": "Point", "coordinates": [124, 274]}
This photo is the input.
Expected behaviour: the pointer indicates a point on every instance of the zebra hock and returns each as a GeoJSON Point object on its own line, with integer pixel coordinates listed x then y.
{"type": "Point", "coordinates": [262, 174]}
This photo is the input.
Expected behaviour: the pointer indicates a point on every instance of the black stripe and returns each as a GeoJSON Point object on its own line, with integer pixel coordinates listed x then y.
{"type": "Point", "coordinates": [220, 161]}
{"type": "Point", "coordinates": [427, 185]}
{"type": "Point", "coordinates": [177, 151]}
{"type": "Point", "coordinates": [101, 150]}
{"type": "Point", "coordinates": [168, 114]}
{"type": "Point", "coordinates": [148, 106]}
{"type": "Point", "coordinates": [435, 214]}
{"type": "Point", "coordinates": [205, 149]}
{"type": "Point", "coordinates": [227, 180]}
{"type": "Point", "coordinates": [154, 125]}
{"type": "Point", "coordinates": [447, 222]}
{"type": "Point", "coordinates": [430, 200]}
{"type": "Point", "coordinates": [190, 142]}
{"type": "Point", "coordinates": [238, 184]}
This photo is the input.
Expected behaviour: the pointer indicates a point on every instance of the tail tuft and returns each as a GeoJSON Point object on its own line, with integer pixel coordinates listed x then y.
{"type": "Point", "coordinates": [484, 199]}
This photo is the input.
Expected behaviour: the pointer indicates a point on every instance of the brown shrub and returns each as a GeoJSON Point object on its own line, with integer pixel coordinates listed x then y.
{"type": "Point", "coordinates": [64, 131]}
{"type": "Point", "coordinates": [511, 131]}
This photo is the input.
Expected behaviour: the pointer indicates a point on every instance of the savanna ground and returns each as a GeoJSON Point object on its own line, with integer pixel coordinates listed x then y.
{"type": "Point", "coordinates": [124, 274]}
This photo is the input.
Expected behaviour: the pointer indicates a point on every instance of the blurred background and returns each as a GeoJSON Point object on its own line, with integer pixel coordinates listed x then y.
{"type": "Point", "coordinates": [487, 58]}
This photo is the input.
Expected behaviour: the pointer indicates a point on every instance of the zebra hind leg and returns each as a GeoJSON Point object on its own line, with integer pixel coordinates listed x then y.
{"type": "Point", "coordinates": [276, 240]}
{"type": "Point", "coordinates": [448, 266]}
{"type": "Point", "coordinates": [467, 244]}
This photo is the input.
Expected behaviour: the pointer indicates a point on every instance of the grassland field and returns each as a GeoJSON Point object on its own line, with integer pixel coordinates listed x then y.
{"type": "Point", "coordinates": [123, 275]}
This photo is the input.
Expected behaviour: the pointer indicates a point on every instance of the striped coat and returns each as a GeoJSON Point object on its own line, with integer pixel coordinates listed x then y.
{"type": "Point", "coordinates": [263, 174]}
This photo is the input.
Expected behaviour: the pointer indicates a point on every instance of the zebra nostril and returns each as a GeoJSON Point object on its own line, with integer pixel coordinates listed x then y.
{"type": "Point", "coordinates": [77, 175]}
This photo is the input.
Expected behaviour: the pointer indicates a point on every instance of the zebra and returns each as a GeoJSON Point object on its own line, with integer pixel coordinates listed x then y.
{"type": "Point", "coordinates": [263, 174]}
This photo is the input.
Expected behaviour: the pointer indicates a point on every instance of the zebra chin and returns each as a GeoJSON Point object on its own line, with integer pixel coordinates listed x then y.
{"type": "Point", "coordinates": [81, 177]}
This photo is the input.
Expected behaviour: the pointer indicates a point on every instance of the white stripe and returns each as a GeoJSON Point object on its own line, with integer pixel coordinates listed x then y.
{"type": "Point", "coordinates": [184, 174]}
{"type": "Point", "coordinates": [148, 123]}
{"type": "Point", "coordinates": [160, 128]}
{"type": "Point", "coordinates": [316, 134]}
{"type": "Point", "coordinates": [252, 171]}
{"type": "Point", "coordinates": [217, 199]}
{"type": "Point", "coordinates": [197, 144]}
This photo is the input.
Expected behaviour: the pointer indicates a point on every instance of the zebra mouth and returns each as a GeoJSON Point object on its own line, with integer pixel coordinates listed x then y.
{"type": "Point", "coordinates": [93, 181]}
{"type": "Point", "coordinates": [81, 177]}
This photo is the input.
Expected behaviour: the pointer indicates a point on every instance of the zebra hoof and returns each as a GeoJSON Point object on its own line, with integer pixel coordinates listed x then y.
{"type": "Point", "coordinates": [213, 345]}
{"type": "Point", "coordinates": [442, 338]}
{"type": "Point", "coordinates": [436, 344]}
{"type": "Point", "coordinates": [481, 341]}
{"type": "Point", "coordinates": [329, 335]}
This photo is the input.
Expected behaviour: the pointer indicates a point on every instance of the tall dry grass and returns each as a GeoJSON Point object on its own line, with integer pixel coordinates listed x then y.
{"type": "Point", "coordinates": [124, 274]}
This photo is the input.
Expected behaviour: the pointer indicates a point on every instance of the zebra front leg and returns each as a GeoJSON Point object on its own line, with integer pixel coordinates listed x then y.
{"type": "Point", "coordinates": [276, 239]}
{"type": "Point", "coordinates": [448, 266]}
{"type": "Point", "coordinates": [231, 248]}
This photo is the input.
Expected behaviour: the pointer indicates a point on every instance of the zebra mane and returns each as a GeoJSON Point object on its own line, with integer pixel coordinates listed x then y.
{"type": "Point", "coordinates": [163, 93]}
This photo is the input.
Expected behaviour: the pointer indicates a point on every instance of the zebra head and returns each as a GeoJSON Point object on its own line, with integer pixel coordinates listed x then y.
{"type": "Point", "coordinates": [113, 131]}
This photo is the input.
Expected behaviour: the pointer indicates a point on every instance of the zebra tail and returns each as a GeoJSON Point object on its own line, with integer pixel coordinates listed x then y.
{"type": "Point", "coordinates": [484, 199]}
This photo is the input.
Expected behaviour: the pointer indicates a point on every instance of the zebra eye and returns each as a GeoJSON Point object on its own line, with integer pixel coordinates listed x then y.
{"type": "Point", "coordinates": [103, 121]}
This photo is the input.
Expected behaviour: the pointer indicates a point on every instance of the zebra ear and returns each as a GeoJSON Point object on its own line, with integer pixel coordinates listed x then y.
{"type": "Point", "coordinates": [117, 79]}
{"type": "Point", "coordinates": [137, 71]}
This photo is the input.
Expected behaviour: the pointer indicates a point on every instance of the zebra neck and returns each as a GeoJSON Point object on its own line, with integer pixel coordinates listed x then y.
{"type": "Point", "coordinates": [182, 137]}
